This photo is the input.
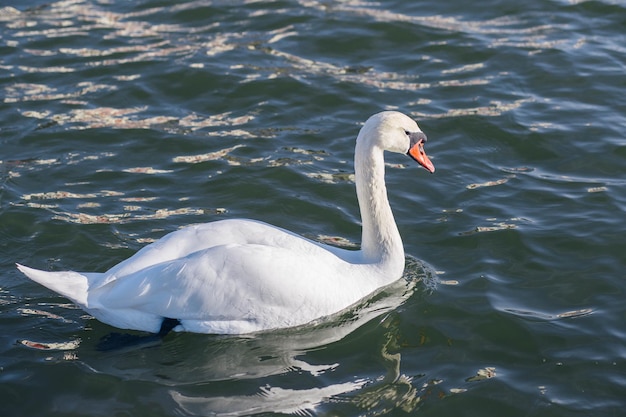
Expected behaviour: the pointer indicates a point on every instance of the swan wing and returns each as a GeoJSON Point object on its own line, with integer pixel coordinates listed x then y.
{"type": "Point", "coordinates": [236, 288]}
{"type": "Point", "coordinates": [191, 239]}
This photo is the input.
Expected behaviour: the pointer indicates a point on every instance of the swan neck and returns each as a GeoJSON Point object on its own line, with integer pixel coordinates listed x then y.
{"type": "Point", "coordinates": [380, 242]}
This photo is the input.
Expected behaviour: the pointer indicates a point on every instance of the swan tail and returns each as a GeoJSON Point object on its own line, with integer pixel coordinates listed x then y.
{"type": "Point", "coordinates": [69, 284]}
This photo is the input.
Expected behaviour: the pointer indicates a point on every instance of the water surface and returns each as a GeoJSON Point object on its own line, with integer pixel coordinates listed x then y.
{"type": "Point", "coordinates": [122, 121]}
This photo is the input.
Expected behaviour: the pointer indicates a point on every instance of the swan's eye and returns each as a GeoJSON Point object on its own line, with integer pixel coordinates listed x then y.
{"type": "Point", "coordinates": [406, 132]}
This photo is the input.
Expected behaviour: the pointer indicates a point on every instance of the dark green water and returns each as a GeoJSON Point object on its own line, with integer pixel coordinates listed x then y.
{"type": "Point", "coordinates": [121, 121]}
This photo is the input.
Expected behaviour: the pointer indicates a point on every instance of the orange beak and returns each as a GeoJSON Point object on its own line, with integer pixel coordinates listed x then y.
{"type": "Point", "coordinates": [417, 152]}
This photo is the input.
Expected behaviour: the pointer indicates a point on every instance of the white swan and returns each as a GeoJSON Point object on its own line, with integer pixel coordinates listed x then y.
{"type": "Point", "coordinates": [240, 276]}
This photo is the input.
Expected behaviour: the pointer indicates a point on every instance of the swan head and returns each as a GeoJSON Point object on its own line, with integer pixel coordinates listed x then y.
{"type": "Point", "coordinates": [396, 132]}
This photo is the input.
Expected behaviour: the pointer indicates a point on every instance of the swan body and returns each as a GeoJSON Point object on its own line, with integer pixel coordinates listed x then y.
{"type": "Point", "coordinates": [240, 276]}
